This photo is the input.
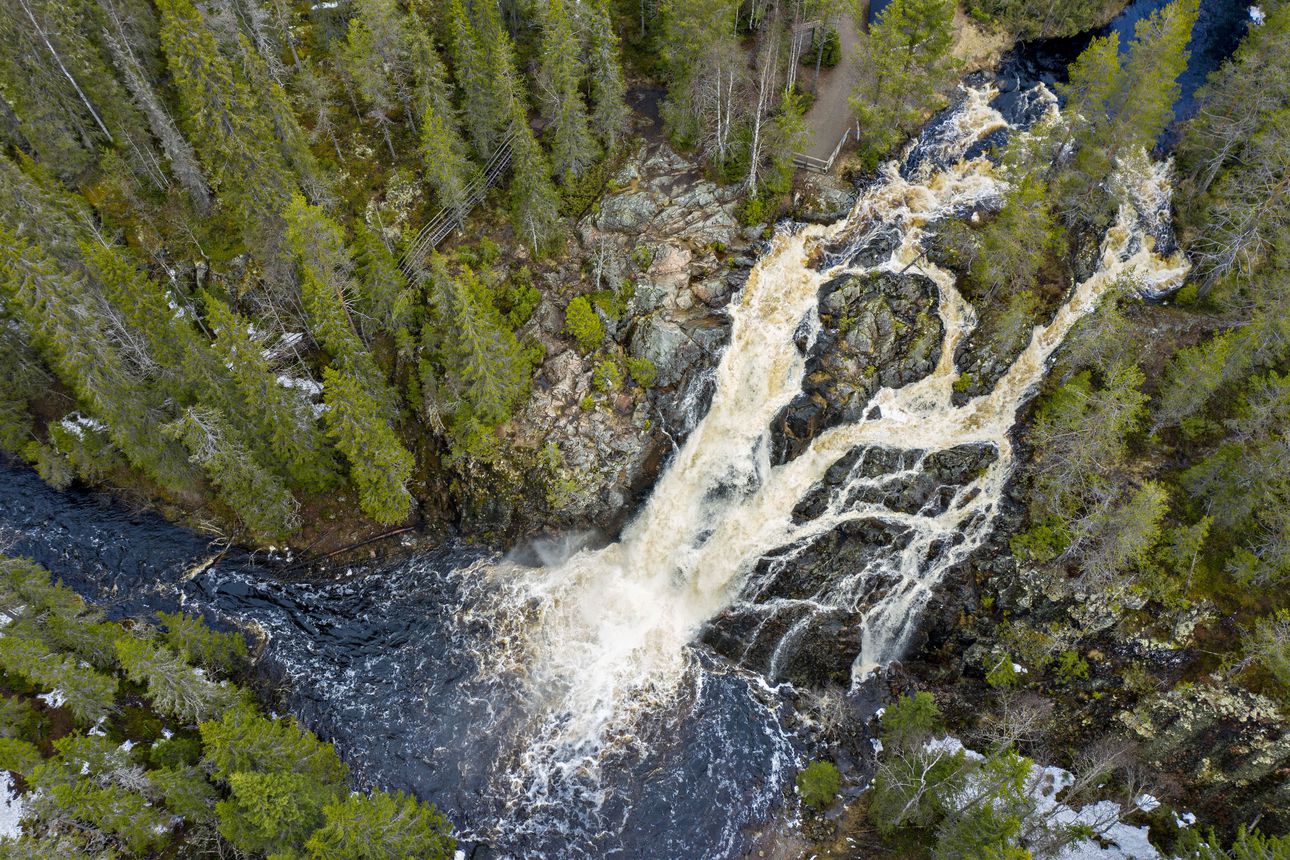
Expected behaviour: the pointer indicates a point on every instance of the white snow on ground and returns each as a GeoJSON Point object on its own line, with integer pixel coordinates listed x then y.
{"type": "Point", "coordinates": [308, 386]}
{"type": "Point", "coordinates": [77, 424]}
{"type": "Point", "coordinates": [54, 698]}
{"type": "Point", "coordinates": [1257, 15]}
{"type": "Point", "coordinates": [1113, 839]}
{"type": "Point", "coordinates": [10, 807]}
{"type": "Point", "coordinates": [951, 745]}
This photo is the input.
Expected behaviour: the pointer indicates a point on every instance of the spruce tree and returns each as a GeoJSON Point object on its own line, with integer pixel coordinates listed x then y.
{"type": "Point", "coordinates": [381, 825]}
{"type": "Point", "coordinates": [328, 290]}
{"type": "Point", "coordinates": [486, 117]}
{"type": "Point", "coordinates": [535, 206]}
{"type": "Point", "coordinates": [284, 422]}
{"type": "Point", "coordinates": [609, 113]}
{"type": "Point", "coordinates": [379, 465]}
{"type": "Point", "coordinates": [234, 137]}
{"type": "Point", "coordinates": [561, 74]}
{"type": "Point", "coordinates": [258, 496]}
{"type": "Point", "coordinates": [174, 687]}
{"type": "Point", "coordinates": [447, 170]}
{"type": "Point", "coordinates": [66, 320]}
{"type": "Point", "coordinates": [484, 367]}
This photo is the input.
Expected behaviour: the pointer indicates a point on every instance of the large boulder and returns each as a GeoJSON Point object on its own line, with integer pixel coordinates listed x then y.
{"type": "Point", "coordinates": [877, 330]}
{"type": "Point", "coordinates": [667, 345]}
{"type": "Point", "coordinates": [627, 213]}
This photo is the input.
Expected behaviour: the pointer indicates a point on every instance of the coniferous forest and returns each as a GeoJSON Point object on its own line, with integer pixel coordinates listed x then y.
{"type": "Point", "coordinates": [307, 275]}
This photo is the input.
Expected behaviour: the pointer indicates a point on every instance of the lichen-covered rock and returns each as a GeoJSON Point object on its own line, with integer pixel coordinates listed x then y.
{"type": "Point", "coordinates": [665, 344]}
{"type": "Point", "coordinates": [1228, 743]}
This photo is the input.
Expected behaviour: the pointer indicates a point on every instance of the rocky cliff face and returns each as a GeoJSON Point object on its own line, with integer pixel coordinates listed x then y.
{"type": "Point", "coordinates": [665, 247]}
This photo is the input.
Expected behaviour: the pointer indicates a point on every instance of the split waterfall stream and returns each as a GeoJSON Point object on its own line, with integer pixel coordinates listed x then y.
{"type": "Point", "coordinates": [569, 710]}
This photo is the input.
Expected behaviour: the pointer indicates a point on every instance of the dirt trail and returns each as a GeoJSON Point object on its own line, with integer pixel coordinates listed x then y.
{"type": "Point", "coordinates": [829, 117]}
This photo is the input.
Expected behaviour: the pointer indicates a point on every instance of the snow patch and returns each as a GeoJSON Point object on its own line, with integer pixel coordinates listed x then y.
{"type": "Point", "coordinates": [11, 808]}
{"type": "Point", "coordinates": [77, 424]}
{"type": "Point", "coordinates": [1257, 16]}
{"type": "Point", "coordinates": [54, 698]}
{"type": "Point", "coordinates": [308, 386]}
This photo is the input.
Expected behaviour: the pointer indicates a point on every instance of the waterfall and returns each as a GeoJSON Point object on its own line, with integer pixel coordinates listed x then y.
{"type": "Point", "coordinates": [606, 633]}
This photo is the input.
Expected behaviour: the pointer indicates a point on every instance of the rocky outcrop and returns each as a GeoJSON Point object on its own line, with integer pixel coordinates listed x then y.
{"type": "Point", "coordinates": [1227, 743]}
{"type": "Point", "coordinates": [665, 251]}
{"type": "Point", "coordinates": [878, 329]}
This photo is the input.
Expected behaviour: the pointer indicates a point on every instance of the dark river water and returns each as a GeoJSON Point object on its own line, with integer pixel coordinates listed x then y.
{"type": "Point", "coordinates": [386, 662]}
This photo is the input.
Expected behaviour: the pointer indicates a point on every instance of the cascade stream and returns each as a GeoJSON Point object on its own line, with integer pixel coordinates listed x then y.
{"type": "Point", "coordinates": [567, 710]}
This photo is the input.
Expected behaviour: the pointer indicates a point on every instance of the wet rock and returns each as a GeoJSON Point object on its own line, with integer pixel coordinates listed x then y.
{"type": "Point", "coordinates": [878, 329]}
{"type": "Point", "coordinates": [900, 480]}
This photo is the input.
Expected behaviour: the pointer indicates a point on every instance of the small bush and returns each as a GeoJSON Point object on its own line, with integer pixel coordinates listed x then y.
{"type": "Point", "coordinates": [607, 376]}
{"type": "Point", "coordinates": [582, 322]}
{"type": "Point", "coordinates": [518, 298]}
{"type": "Point", "coordinates": [1002, 673]}
{"type": "Point", "coordinates": [1071, 667]}
{"type": "Point", "coordinates": [752, 211]}
{"type": "Point", "coordinates": [643, 371]}
{"type": "Point", "coordinates": [175, 752]}
{"type": "Point", "coordinates": [832, 49]}
{"type": "Point", "coordinates": [818, 784]}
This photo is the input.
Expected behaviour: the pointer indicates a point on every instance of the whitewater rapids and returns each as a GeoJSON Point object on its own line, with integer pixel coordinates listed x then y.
{"type": "Point", "coordinates": [606, 633]}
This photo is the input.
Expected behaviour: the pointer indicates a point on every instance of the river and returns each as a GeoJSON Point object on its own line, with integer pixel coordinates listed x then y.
{"type": "Point", "coordinates": [569, 709]}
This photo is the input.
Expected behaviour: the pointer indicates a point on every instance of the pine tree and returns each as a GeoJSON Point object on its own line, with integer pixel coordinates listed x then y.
{"type": "Point", "coordinates": [379, 465]}
{"type": "Point", "coordinates": [572, 147]}
{"type": "Point", "coordinates": [1157, 57]}
{"type": "Point", "coordinates": [1019, 240]}
{"type": "Point", "coordinates": [907, 63]}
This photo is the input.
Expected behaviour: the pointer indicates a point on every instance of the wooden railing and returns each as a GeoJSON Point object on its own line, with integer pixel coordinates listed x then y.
{"type": "Point", "coordinates": [821, 165]}
{"type": "Point", "coordinates": [449, 218]}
